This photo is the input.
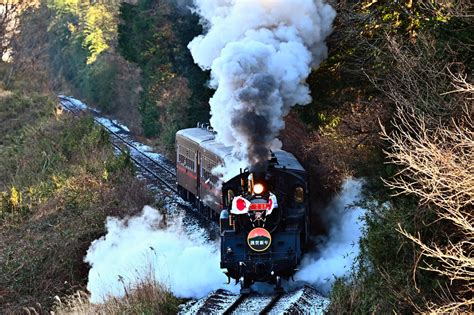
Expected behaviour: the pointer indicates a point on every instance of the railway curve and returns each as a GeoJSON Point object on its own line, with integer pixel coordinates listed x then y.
{"type": "Point", "coordinates": [305, 300]}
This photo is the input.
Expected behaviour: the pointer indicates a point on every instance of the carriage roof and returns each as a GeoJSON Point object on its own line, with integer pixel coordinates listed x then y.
{"type": "Point", "coordinates": [217, 148]}
{"type": "Point", "coordinates": [207, 140]}
{"type": "Point", "coordinates": [198, 135]}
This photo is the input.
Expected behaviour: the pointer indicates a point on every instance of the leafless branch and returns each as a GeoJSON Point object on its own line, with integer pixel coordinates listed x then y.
{"type": "Point", "coordinates": [436, 165]}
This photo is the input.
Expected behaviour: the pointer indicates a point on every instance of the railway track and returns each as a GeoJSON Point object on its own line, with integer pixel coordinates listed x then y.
{"type": "Point", "coordinates": [150, 168]}
{"type": "Point", "coordinates": [246, 301]}
{"type": "Point", "coordinates": [305, 300]}
{"type": "Point", "coordinates": [220, 301]}
{"type": "Point", "coordinates": [156, 170]}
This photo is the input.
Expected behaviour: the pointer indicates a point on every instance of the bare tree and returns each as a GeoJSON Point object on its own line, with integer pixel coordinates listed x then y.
{"type": "Point", "coordinates": [10, 11]}
{"type": "Point", "coordinates": [8, 22]}
{"type": "Point", "coordinates": [436, 165]}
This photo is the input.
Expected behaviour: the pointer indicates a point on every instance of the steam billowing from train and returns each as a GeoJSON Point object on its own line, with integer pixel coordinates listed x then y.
{"type": "Point", "coordinates": [260, 53]}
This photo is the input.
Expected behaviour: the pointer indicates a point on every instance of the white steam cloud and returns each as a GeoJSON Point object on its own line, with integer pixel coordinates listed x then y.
{"type": "Point", "coordinates": [260, 53]}
{"type": "Point", "coordinates": [134, 247]}
{"type": "Point", "coordinates": [188, 264]}
{"type": "Point", "coordinates": [336, 254]}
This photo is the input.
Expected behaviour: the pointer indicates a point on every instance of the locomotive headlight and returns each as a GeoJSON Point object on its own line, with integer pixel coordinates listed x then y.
{"type": "Point", "coordinates": [258, 188]}
{"type": "Point", "coordinates": [299, 194]}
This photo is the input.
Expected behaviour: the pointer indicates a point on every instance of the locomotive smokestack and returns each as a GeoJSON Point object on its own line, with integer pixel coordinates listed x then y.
{"type": "Point", "coordinates": [252, 121]}
{"type": "Point", "coordinates": [259, 169]}
{"type": "Point", "coordinates": [260, 53]}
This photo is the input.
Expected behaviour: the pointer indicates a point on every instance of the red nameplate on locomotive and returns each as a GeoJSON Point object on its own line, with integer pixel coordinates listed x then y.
{"type": "Point", "coordinates": [260, 206]}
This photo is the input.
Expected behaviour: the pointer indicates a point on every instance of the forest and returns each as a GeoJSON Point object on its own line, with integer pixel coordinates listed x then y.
{"type": "Point", "coordinates": [392, 103]}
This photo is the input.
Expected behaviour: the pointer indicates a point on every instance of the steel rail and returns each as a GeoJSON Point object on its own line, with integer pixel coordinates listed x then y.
{"type": "Point", "coordinates": [272, 303]}
{"type": "Point", "coordinates": [137, 150]}
{"type": "Point", "coordinates": [128, 143]}
{"type": "Point", "coordinates": [235, 304]}
{"type": "Point", "coordinates": [140, 164]}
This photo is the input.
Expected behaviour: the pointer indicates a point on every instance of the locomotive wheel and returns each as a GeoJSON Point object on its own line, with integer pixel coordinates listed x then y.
{"type": "Point", "coordinates": [182, 193]}
{"type": "Point", "coordinates": [200, 208]}
{"type": "Point", "coordinates": [244, 285]}
{"type": "Point", "coordinates": [278, 287]}
{"type": "Point", "coordinates": [203, 210]}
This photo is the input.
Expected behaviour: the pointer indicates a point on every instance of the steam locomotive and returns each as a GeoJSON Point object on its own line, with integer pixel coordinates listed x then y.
{"type": "Point", "coordinates": [263, 214]}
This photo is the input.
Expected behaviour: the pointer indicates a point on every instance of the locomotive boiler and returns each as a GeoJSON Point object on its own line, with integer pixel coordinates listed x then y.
{"type": "Point", "coordinates": [263, 213]}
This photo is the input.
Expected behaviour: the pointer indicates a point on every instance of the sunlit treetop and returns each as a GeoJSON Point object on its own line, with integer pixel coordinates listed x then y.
{"type": "Point", "coordinates": [94, 25]}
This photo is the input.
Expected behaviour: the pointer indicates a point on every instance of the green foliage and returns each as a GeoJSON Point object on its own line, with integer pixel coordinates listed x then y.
{"type": "Point", "coordinates": [79, 37]}
{"type": "Point", "coordinates": [35, 154]}
{"type": "Point", "coordinates": [384, 279]}
{"type": "Point", "coordinates": [11, 204]}
{"type": "Point", "coordinates": [84, 41]}
{"type": "Point", "coordinates": [54, 198]}
{"type": "Point", "coordinates": [359, 58]}
{"type": "Point", "coordinates": [65, 6]}
{"type": "Point", "coordinates": [402, 50]}
{"type": "Point", "coordinates": [150, 120]}
{"type": "Point", "coordinates": [100, 29]}
{"type": "Point", "coordinates": [97, 83]}
{"type": "Point", "coordinates": [174, 94]}
{"type": "Point", "coordinates": [405, 17]}
{"type": "Point", "coordinates": [121, 162]}
{"type": "Point", "coordinates": [330, 122]}
{"type": "Point", "coordinates": [92, 25]}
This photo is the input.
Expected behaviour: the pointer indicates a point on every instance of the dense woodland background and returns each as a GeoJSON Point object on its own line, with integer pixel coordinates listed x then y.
{"type": "Point", "coordinates": [393, 103]}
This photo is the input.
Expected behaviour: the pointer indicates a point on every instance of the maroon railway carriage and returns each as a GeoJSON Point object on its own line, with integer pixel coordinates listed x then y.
{"type": "Point", "coordinates": [198, 153]}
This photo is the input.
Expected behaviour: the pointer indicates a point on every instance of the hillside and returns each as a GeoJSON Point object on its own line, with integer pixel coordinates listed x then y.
{"type": "Point", "coordinates": [59, 182]}
{"type": "Point", "coordinates": [390, 103]}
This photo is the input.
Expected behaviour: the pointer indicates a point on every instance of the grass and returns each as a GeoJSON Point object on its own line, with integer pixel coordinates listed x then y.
{"type": "Point", "coordinates": [59, 180]}
{"type": "Point", "coordinates": [149, 297]}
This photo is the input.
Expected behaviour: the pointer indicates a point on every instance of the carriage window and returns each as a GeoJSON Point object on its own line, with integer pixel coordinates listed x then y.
{"type": "Point", "coordinates": [187, 158]}
{"type": "Point", "coordinates": [207, 165]}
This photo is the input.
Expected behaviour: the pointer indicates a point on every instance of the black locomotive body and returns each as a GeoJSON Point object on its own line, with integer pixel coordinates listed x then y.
{"type": "Point", "coordinates": [263, 215]}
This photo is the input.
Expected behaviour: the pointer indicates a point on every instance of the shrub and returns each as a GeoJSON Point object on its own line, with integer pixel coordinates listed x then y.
{"type": "Point", "coordinates": [148, 297]}
{"type": "Point", "coordinates": [54, 200]}
{"type": "Point", "coordinates": [421, 72]}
